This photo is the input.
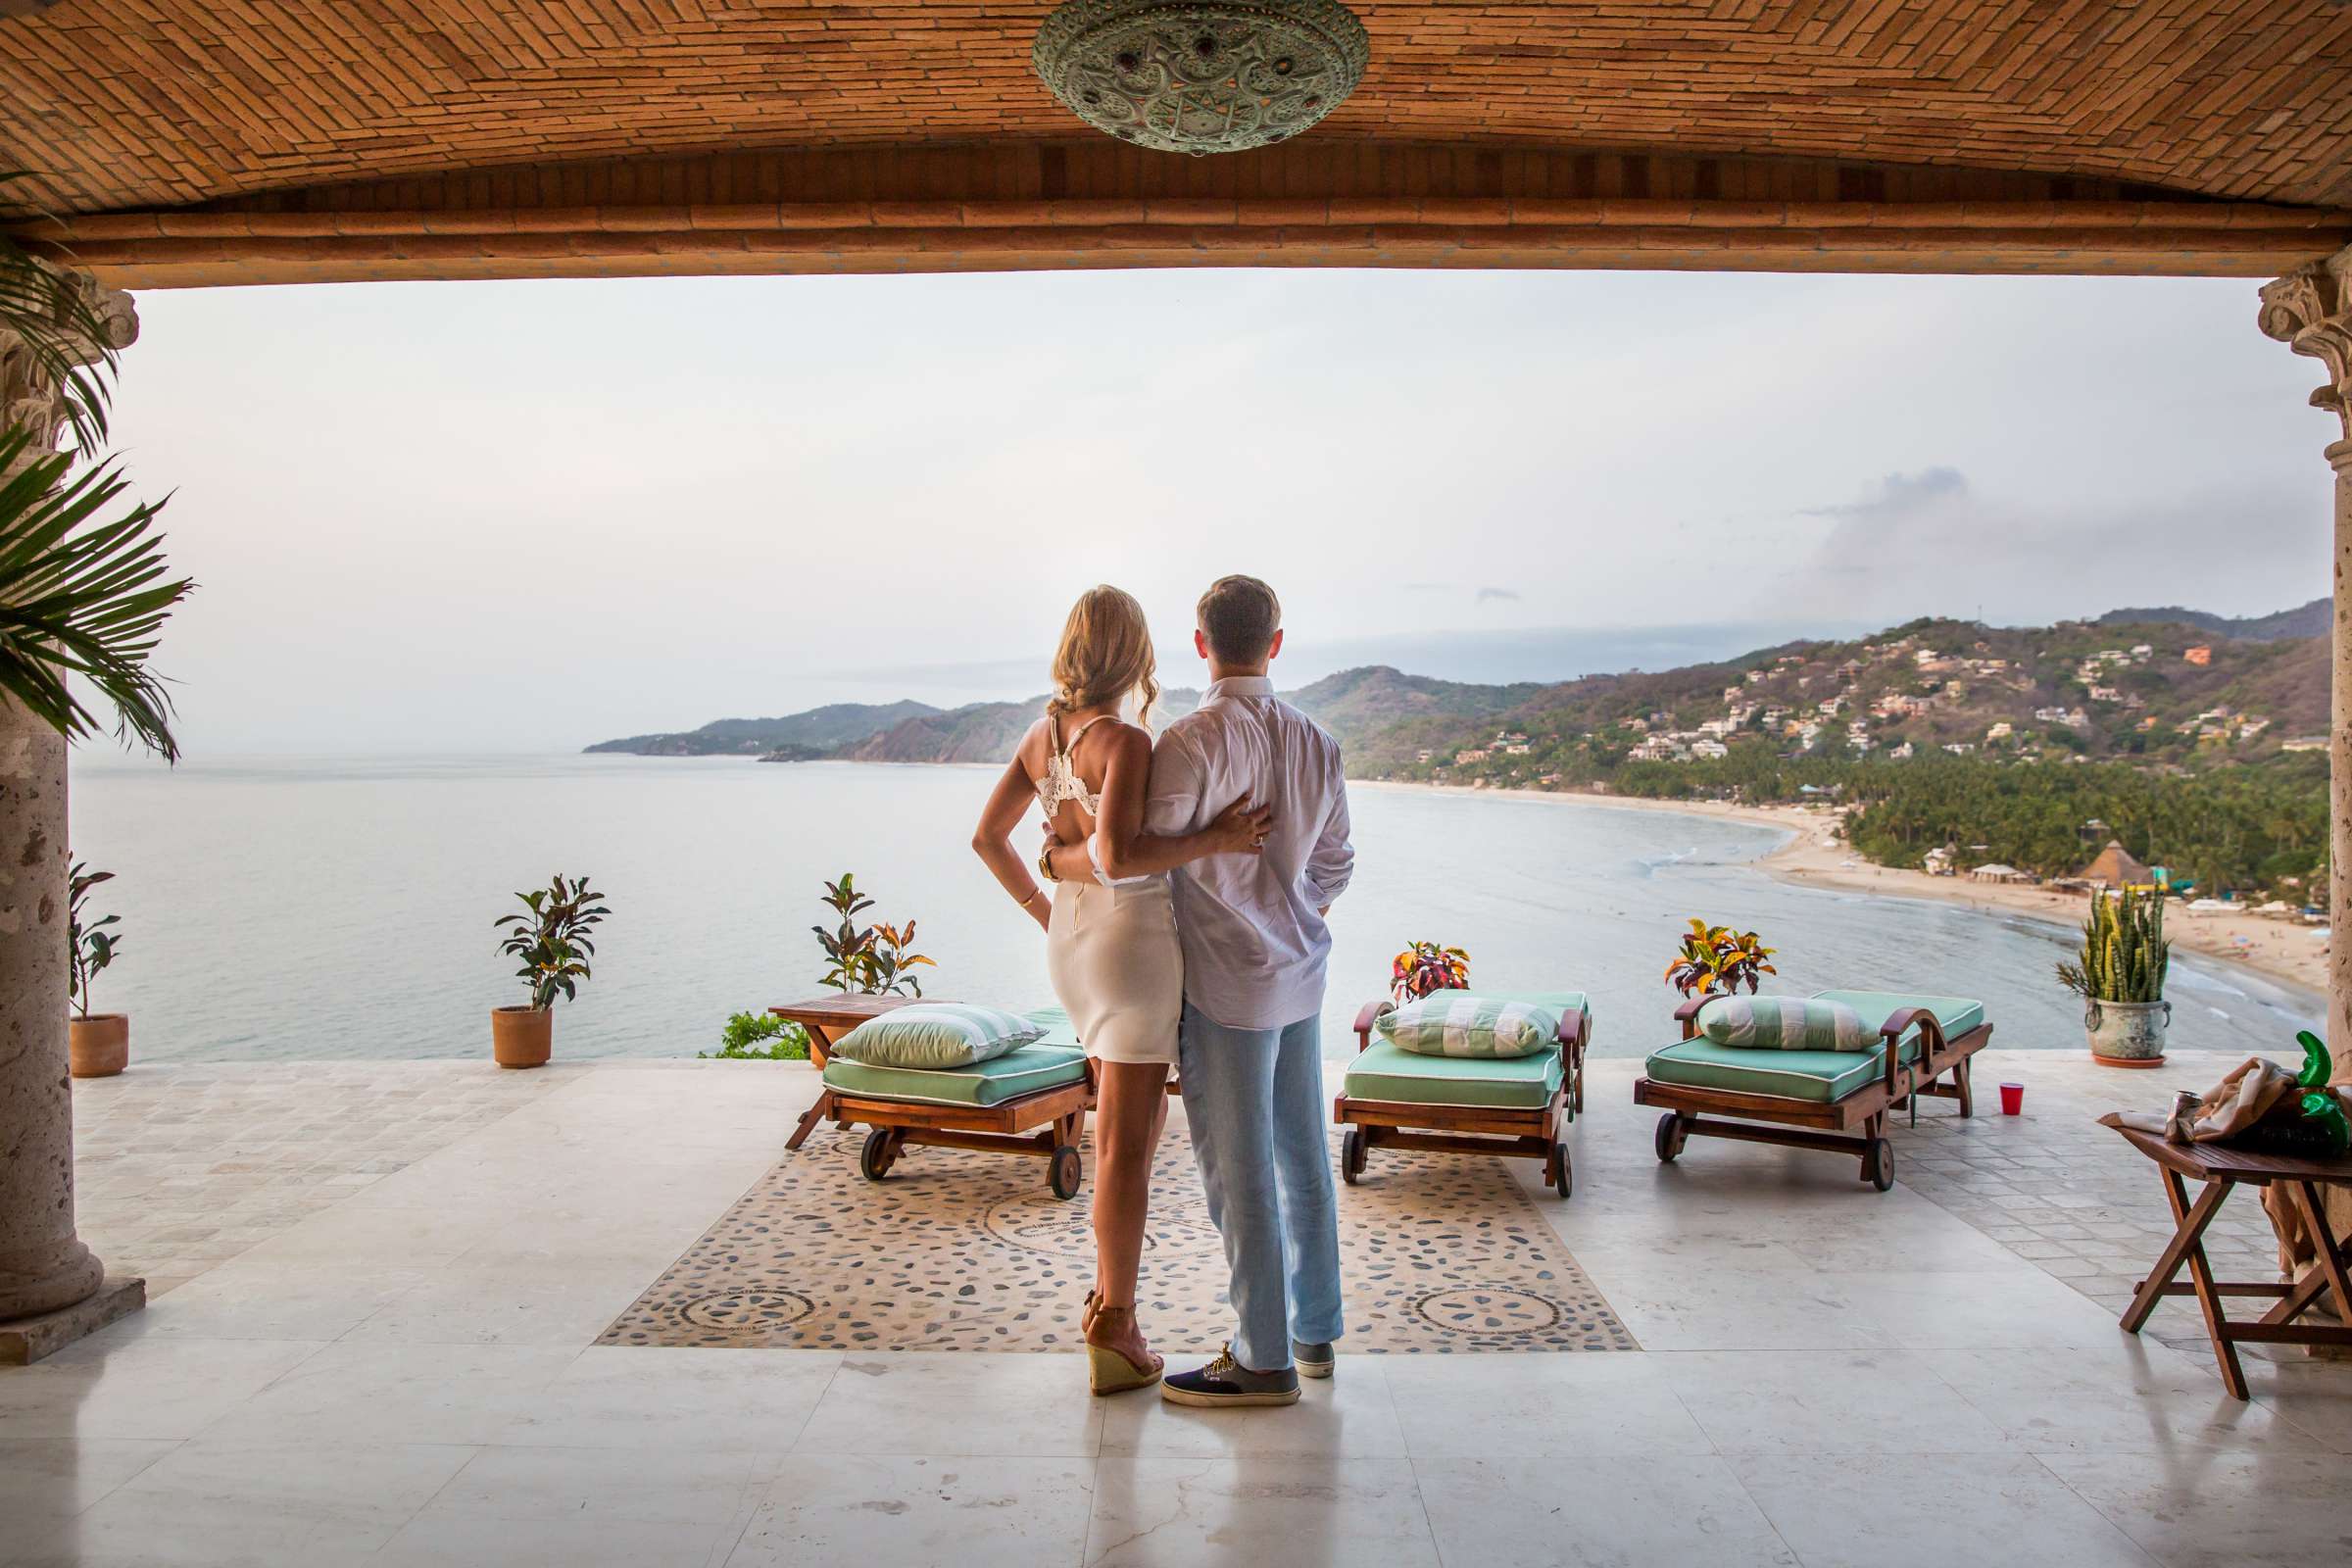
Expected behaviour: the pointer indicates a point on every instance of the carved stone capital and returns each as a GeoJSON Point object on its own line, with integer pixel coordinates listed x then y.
{"type": "Point", "coordinates": [29, 397]}
{"type": "Point", "coordinates": [2310, 311]}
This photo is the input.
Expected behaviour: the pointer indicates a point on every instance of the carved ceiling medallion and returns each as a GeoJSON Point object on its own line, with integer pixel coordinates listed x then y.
{"type": "Point", "coordinates": [1201, 76]}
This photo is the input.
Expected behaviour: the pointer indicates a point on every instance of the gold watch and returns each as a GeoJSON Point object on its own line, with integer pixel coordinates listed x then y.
{"type": "Point", "coordinates": [1045, 861]}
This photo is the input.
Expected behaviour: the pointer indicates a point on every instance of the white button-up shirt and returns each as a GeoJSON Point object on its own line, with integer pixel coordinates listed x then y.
{"type": "Point", "coordinates": [1256, 945]}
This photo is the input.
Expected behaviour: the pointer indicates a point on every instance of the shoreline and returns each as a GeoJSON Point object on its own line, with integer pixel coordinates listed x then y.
{"type": "Point", "coordinates": [2280, 953]}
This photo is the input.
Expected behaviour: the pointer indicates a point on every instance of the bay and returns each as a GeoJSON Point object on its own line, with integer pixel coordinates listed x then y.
{"type": "Point", "coordinates": [330, 908]}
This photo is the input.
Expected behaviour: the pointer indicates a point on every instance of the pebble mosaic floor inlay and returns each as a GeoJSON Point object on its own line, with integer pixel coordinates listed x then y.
{"type": "Point", "coordinates": [958, 1251]}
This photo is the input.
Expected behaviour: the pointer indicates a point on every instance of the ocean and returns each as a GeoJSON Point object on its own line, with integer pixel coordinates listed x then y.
{"type": "Point", "coordinates": [290, 908]}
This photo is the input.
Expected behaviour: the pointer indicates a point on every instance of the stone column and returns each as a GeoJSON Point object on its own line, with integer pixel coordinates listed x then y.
{"type": "Point", "coordinates": [50, 1284]}
{"type": "Point", "coordinates": [2310, 311]}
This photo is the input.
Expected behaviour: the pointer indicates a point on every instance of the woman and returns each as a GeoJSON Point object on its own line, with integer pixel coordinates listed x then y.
{"type": "Point", "coordinates": [1110, 946]}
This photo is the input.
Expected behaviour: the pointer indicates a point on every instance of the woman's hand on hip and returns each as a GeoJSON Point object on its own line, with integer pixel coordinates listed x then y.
{"type": "Point", "coordinates": [1239, 829]}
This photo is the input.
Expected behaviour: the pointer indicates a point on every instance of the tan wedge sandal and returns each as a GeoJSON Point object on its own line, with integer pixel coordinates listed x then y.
{"type": "Point", "coordinates": [1107, 1367]}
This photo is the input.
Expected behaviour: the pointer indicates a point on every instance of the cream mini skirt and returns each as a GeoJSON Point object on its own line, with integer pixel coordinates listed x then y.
{"type": "Point", "coordinates": [1116, 969]}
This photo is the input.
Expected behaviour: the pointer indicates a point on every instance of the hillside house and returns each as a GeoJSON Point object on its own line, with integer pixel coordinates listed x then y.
{"type": "Point", "coordinates": [2199, 654]}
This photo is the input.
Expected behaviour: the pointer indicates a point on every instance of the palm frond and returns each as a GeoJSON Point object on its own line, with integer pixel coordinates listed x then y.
{"type": "Point", "coordinates": [83, 598]}
{"type": "Point", "coordinates": [49, 314]}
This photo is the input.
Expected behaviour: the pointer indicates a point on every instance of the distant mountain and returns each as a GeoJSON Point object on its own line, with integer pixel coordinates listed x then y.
{"type": "Point", "coordinates": [983, 732]}
{"type": "Point", "coordinates": [2314, 620]}
{"type": "Point", "coordinates": [819, 729]}
{"type": "Point", "coordinates": [2123, 686]}
{"type": "Point", "coordinates": [1353, 705]}
{"type": "Point", "coordinates": [1356, 703]}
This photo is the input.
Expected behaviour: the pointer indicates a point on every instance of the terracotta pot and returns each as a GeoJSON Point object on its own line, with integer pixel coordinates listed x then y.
{"type": "Point", "coordinates": [98, 1045]}
{"type": "Point", "coordinates": [2126, 1034]}
{"type": "Point", "coordinates": [521, 1037]}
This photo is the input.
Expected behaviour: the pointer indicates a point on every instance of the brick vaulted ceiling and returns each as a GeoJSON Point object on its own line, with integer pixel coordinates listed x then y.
{"type": "Point", "coordinates": [240, 125]}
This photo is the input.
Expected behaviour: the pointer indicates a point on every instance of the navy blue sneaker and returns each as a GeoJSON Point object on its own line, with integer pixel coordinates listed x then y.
{"type": "Point", "coordinates": [1312, 1360]}
{"type": "Point", "coordinates": [1225, 1381]}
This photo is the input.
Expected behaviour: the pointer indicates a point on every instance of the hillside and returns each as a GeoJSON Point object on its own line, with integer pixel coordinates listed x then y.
{"type": "Point", "coordinates": [820, 730]}
{"type": "Point", "coordinates": [2314, 620]}
{"type": "Point", "coordinates": [2141, 692]}
{"type": "Point", "coordinates": [2164, 690]}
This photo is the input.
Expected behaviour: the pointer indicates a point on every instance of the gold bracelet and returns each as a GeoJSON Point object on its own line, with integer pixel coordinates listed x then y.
{"type": "Point", "coordinates": [1045, 861]}
{"type": "Point", "coordinates": [1033, 894]}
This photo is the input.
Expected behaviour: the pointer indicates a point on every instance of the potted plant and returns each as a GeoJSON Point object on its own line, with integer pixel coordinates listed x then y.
{"type": "Point", "coordinates": [871, 961]}
{"type": "Point", "coordinates": [1715, 961]}
{"type": "Point", "coordinates": [552, 940]}
{"type": "Point", "coordinates": [2120, 976]}
{"type": "Point", "coordinates": [97, 1043]}
{"type": "Point", "coordinates": [1426, 966]}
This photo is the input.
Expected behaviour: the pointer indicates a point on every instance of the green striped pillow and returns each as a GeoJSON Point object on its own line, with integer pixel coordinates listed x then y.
{"type": "Point", "coordinates": [930, 1035]}
{"type": "Point", "coordinates": [1464, 1024]}
{"type": "Point", "coordinates": [1784, 1024]}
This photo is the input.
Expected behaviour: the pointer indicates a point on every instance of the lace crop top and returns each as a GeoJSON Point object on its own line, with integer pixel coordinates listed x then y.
{"type": "Point", "coordinates": [1062, 781]}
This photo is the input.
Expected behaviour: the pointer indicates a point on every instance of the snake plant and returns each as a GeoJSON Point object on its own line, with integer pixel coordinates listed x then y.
{"type": "Point", "coordinates": [2125, 954]}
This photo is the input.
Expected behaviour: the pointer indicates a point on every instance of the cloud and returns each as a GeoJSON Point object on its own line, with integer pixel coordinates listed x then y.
{"type": "Point", "coordinates": [1485, 594]}
{"type": "Point", "coordinates": [1901, 495]}
{"type": "Point", "coordinates": [1927, 543]}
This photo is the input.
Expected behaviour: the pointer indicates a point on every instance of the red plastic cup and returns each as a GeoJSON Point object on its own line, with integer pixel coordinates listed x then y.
{"type": "Point", "coordinates": [2013, 1099]}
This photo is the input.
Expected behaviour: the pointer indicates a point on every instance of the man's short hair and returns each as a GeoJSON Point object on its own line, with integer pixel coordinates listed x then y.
{"type": "Point", "coordinates": [1239, 616]}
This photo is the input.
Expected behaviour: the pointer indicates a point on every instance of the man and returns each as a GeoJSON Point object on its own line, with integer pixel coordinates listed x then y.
{"type": "Point", "coordinates": [1256, 948]}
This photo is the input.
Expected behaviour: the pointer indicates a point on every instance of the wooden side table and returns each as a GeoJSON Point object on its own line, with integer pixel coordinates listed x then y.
{"type": "Point", "coordinates": [835, 1013]}
{"type": "Point", "coordinates": [2223, 1171]}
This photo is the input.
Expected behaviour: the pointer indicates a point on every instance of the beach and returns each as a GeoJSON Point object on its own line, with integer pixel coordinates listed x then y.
{"type": "Point", "coordinates": [1815, 857]}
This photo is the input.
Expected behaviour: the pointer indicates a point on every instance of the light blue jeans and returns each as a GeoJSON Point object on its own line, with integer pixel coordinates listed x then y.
{"type": "Point", "coordinates": [1253, 1099]}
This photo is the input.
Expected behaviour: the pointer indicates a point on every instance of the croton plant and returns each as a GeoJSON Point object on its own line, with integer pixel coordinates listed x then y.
{"type": "Point", "coordinates": [1717, 960]}
{"type": "Point", "coordinates": [1426, 966]}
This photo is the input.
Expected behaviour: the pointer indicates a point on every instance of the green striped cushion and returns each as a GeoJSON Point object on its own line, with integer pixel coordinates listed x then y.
{"type": "Point", "coordinates": [937, 1034]}
{"type": "Point", "coordinates": [1030, 1070]}
{"type": "Point", "coordinates": [1784, 1024]}
{"type": "Point", "coordinates": [1383, 1072]}
{"type": "Point", "coordinates": [1464, 1024]}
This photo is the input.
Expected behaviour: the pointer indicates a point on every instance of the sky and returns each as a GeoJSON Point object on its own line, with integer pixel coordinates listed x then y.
{"type": "Point", "coordinates": [522, 516]}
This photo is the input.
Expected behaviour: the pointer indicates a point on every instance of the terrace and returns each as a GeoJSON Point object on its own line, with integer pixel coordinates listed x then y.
{"type": "Point", "coordinates": [384, 1293]}
{"type": "Point", "coordinates": [430, 1312]}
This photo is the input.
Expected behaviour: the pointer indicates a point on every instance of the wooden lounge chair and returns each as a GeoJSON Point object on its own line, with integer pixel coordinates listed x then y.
{"type": "Point", "coordinates": [1520, 1106]}
{"type": "Point", "coordinates": [1030, 1101]}
{"type": "Point", "coordinates": [1837, 1100]}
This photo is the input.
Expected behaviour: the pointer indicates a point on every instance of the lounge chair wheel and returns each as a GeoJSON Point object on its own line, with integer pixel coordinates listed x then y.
{"type": "Point", "coordinates": [1669, 1137]}
{"type": "Point", "coordinates": [1878, 1166]}
{"type": "Point", "coordinates": [1559, 1172]}
{"type": "Point", "coordinates": [874, 1158]}
{"type": "Point", "coordinates": [1062, 1172]}
{"type": "Point", "coordinates": [1353, 1155]}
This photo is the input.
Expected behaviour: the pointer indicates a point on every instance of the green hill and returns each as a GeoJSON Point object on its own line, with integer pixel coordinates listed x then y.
{"type": "Point", "coordinates": [819, 730]}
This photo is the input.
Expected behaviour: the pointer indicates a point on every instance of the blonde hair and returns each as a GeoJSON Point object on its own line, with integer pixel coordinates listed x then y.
{"type": "Point", "coordinates": [1105, 654]}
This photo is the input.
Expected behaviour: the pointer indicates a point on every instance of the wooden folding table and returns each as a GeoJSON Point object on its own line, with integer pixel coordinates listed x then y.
{"type": "Point", "coordinates": [830, 1016]}
{"type": "Point", "coordinates": [2223, 1171]}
